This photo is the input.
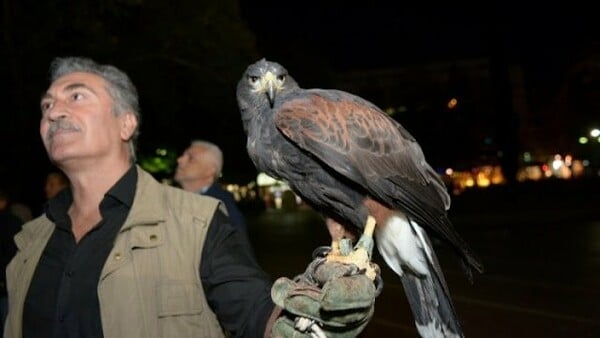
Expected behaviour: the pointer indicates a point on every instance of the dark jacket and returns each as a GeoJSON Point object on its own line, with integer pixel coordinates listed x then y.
{"type": "Point", "coordinates": [235, 215]}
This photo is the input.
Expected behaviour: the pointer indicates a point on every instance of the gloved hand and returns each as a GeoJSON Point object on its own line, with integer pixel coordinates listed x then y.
{"type": "Point", "coordinates": [330, 299]}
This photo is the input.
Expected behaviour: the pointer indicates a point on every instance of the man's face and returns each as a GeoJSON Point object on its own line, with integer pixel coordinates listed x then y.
{"type": "Point", "coordinates": [78, 121]}
{"type": "Point", "coordinates": [53, 186]}
{"type": "Point", "coordinates": [194, 164]}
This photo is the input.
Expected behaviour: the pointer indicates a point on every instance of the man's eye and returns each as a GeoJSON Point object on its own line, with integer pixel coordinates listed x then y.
{"type": "Point", "coordinates": [77, 96]}
{"type": "Point", "coordinates": [45, 106]}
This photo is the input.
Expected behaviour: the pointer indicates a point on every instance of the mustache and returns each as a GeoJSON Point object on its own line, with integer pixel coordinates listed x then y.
{"type": "Point", "coordinates": [60, 125]}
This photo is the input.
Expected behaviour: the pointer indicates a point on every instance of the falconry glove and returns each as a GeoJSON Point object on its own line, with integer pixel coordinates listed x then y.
{"type": "Point", "coordinates": [330, 299]}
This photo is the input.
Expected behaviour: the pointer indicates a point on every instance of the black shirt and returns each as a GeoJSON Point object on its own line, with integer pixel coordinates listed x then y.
{"type": "Point", "coordinates": [62, 300]}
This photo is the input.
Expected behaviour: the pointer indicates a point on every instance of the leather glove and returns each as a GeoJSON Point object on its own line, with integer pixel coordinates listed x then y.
{"type": "Point", "coordinates": [330, 299]}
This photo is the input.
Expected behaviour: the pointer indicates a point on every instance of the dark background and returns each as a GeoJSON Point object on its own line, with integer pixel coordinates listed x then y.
{"type": "Point", "coordinates": [186, 57]}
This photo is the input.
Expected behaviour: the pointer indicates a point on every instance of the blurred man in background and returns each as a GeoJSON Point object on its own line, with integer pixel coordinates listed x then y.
{"type": "Point", "coordinates": [199, 169]}
{"type": "Point", "coordinates": [10, 224]}
{"type": "Point", "coordinates": [55, 182]}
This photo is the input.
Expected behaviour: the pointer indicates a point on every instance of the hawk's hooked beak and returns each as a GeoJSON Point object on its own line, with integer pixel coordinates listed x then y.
{"type": "Point", "coordinates": [270, 86]}
{"type": "Point", "coordinates": [271, 94]}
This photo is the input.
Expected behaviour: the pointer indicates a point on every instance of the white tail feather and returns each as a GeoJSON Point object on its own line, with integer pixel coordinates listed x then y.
{"type": "Point", "coordinates": [400, 247]}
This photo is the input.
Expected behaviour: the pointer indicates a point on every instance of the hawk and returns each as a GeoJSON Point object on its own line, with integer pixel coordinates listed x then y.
{"type": "Point", "coordinates": [351, 162]}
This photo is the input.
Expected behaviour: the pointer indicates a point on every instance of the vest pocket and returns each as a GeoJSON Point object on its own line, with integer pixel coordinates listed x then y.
{"type": "Point", "coordinates": [180, 310]}
{"type": "Point", "coordinates": [178, 298]}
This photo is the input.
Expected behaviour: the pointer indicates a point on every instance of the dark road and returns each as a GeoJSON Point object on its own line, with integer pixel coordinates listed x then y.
{"type": "Point", "coordinates": [542, 276]}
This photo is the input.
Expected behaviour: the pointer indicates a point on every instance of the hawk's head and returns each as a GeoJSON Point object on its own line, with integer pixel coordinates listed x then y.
{"type": "Point", "coordinates": [262, 82]}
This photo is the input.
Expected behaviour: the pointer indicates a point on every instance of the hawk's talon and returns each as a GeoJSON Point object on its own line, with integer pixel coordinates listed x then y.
{"type": "Point", "coordinates": [321, 252]}
{"type": "Point", "coordinates": [360, 255]}
{"type": "Point", "coordinates": [378, 284]}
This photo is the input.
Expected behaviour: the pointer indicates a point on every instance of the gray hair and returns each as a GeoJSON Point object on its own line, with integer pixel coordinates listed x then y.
{"type": "Point", "coordinates": [214, 151]}
{"type": "Point", "coordinates": [120, 88]}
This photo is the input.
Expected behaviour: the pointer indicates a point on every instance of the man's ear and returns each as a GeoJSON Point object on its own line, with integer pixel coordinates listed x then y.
{"type": "Point", "coordinates": [211, 170]}
{"type": "Point", "coordinates": [128, 125]}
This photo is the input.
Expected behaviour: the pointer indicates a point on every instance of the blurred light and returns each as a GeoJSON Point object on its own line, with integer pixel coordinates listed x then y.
{"type": "Point", "coordinates": [161, 151]}
{"type": "Point", "coordinates": [390, 111]}
{"type": "Point", "coordinates": [264, 180]}
{"type": "Point", "coordinates": [585, 163]}
{"type": "Point", "coordinates": [595, 132]}
{"type": "Point", "coordinates": [556, 164]}
{"type": "Point", "coordinates": [578, 168]}
{"type": "Point", "coordinates": [568, 160]}
{"type": "Point", "coordinates": [278, 199]}
{"type": "Point", "coordinates": [565, 172]}
{"type": "Point", "coordinates": [527, 156]}
{"type": "Point", "coordinates": [449, 171]}
{"type": "Point", "coordinates": [497, 175]}
{"type": "Point", "coordinates": [532, 172]}
{"type": "Point", "coordinates": [482, 180]}
{"type": "Point", "coordinates": [452, 103]}
{"type": "Point", "coordinates": [583, 140]}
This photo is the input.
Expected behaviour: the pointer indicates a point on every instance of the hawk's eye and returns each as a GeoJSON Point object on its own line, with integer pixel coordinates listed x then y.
{"type": "Point", "coordinates": [253, 79]}
{"type": "Point", "coordinates": [281, 78]}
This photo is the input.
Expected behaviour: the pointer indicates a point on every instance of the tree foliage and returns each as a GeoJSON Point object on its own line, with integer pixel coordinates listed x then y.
{"type": "Point", "coordinates": [185, 57]}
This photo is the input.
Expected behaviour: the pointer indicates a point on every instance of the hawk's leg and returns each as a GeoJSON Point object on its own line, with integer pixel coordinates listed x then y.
{"type": "Point", "coordinates": [360, 255]}
{"type": "Point", "coordinates": [337, 232]}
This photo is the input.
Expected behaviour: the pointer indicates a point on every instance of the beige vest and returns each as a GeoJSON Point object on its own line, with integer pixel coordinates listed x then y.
{"type": "Point", "coordinates": [150, 284]}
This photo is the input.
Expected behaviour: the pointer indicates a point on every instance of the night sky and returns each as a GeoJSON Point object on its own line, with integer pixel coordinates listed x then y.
{"type": "Point", "coordinates": [376, 35]}
{"type": "Point", "coordinates": [186, 58]}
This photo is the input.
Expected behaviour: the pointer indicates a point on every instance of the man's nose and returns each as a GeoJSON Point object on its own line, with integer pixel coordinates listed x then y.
{"type": "Point", "coordinates": [58, 111]}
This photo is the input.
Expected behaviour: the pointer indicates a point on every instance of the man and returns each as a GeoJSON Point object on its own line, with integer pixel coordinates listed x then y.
{"type": "Point", "coordinates": [199, 169]}
{"type": "Point", "coordinates": [55, 182]}
{"type": "Point", "coordinates": [10, 225]}
{"type": "Point", "coordinates": [121, 255]}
